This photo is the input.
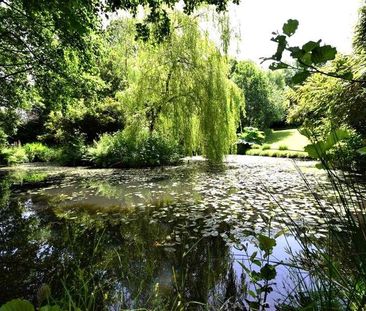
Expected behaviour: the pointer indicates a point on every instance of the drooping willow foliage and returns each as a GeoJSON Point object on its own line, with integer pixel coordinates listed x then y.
{"type": "Point", "coordinates": [179, 88]}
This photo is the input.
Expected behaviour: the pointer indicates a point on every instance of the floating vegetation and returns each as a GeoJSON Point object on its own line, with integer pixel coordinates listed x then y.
{"type": "Point", "coordinates": [139, 224]}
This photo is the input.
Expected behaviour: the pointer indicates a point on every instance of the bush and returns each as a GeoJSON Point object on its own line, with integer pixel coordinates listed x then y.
{"type": "Point", "coordinates": [339, 150]}
{"type": "Point", "coordinates": [13, 155]}
{"type": "Point", "coordinates": [344, 154]}
{"type": "Point", "coordinates": [256, 146]}
{"type": "Point", "coordinates": [125, 149]}
{"type": "Point", "coordinates": [73, 153]}
{"type": "Point", "coordinates": [283, 147]}
{"type": "Point", "coordinates": [37, 152]}
{"type": "Point", "coordinates": [251, 135]}
{"type": "Point", "coordinates": [266, 147]}
{"type": "Point", "coordinates": [3, 138]}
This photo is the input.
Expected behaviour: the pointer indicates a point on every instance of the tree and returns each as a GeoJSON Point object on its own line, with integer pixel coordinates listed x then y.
{"type": "Point", "coordinates": [180, 87]}
{"type": "Point", "coordinates": [264, 94]}
{"type": "Point", "coordinates": [45, 44]}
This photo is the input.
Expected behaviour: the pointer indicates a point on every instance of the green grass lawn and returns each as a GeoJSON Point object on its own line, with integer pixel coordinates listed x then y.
{"type": "Point", "coordinates": [284, 144]}
{"type": "Point", "coordinates": [290, 138]}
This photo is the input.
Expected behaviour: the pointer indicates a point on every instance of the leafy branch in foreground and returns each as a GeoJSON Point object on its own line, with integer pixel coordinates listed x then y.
{"type": "Point", "coordinates": [309, 58]}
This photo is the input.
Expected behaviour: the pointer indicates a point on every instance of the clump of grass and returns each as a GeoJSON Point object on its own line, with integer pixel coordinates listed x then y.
{"type": "Point", "coordinates": [266, 147]}
{"type": "Point", "coordinates": [283, 147]}
{"type": "Point", "coordinates": [255, 146]}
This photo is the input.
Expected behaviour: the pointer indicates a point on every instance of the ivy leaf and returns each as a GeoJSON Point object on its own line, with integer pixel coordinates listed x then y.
{"type": "Point", "coordinates": [300, 77]}
{"type": "Point", "coordinates": [290, 27]}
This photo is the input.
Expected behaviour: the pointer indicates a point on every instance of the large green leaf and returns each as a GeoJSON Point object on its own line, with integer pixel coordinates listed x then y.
{"type": "Point", "coordinates": [322, 54]}
{"type": "Point", "coordinates": [268, 272]}
{"type": "Point", "coordinates": [311, 45]}
{"type": "Point", "coordinates": [300, 77]}
{"type": "Point", "coordinates": [17, 305]}
{"type": "Point", "coordinates": [290, 27]}
{"type": "Point", "coordinates": [266, 244]}
{"type": "Point", "coordinates": [276, 66]}
{"type": "Point", "coordinates": [318, 150]}
{"type": "Point", "coordinates": [362, 151]}
{"type": "Point", "coordinates": [281, 41]}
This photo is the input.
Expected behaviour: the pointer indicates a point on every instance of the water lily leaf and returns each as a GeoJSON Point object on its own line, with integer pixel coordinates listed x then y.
{"type": "Point", "coordinates": [17, 305]}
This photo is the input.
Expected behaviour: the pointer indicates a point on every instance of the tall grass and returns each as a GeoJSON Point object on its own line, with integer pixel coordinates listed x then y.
{"type": "Point", "coordinates": [336, 263]}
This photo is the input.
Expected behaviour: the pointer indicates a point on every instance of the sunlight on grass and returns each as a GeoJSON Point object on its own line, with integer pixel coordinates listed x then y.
{"type": "Point", "coordinates": [290, 138]}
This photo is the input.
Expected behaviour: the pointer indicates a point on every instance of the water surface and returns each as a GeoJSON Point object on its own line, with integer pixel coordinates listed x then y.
{"type": "Point", "coordinates": [143, 237]}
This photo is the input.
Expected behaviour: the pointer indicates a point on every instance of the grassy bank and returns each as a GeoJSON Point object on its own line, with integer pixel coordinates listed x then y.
{"type": "Point", "coordinates": [283, 143]}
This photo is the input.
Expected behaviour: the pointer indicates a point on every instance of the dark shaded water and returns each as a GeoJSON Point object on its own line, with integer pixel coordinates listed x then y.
{"type": "Point", "coordinates": [111, 239]}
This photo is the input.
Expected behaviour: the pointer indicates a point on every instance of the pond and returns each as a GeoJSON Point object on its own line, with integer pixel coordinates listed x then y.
{"type": "Point", "coordinates": [173, 236]}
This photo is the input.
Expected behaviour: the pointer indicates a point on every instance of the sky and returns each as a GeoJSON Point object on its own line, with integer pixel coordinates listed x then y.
{"type": "Point", "coordinates": [332, 21]}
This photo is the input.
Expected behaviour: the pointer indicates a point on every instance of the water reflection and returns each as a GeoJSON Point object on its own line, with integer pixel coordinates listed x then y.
{"type": "Point", "coordinates": [127, 239]}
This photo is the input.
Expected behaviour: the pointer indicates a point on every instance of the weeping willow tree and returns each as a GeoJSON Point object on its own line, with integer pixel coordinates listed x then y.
{"type": "Point", "coordinates": [180, 88]}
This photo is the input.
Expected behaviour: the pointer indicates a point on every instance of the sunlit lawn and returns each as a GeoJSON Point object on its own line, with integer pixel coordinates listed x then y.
{"type": "Point", "coordinates": [290, 138]}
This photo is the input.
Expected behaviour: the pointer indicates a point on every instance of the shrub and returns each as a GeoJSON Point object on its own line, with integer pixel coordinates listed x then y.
{"type": "Point", "coordinates": [340, 150]}
{"type": "Point", "coordinates": [3, 138]}
{"type": "Point", "coordinates": [73, 153]}
{"type": "Point", "coordinates": [256, 146]}
{"type": "Point", "coordinates": [266, 147]}
{"type": "Point", "coordinates": [13, 155]}
{"type": "Point", "coordinates": [282, 147]}
{"type": "Point", "coordinates": [125, 149]}
{"type": "Point", "coordinates": [37, 152]}
{"type": "Point", "coordinates": [251, 135]}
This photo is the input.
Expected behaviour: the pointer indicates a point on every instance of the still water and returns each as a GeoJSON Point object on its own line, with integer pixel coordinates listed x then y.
{"type": "Point", "coordinates": [108, 239]}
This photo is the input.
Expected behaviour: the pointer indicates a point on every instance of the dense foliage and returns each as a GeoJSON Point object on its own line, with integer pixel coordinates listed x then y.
{"type": "Point", "coordinates": [264, 94]}
{"type": "Point", "coordinates": [178, 89]}
{"type": "Point", "coordinates": [128, 149]}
